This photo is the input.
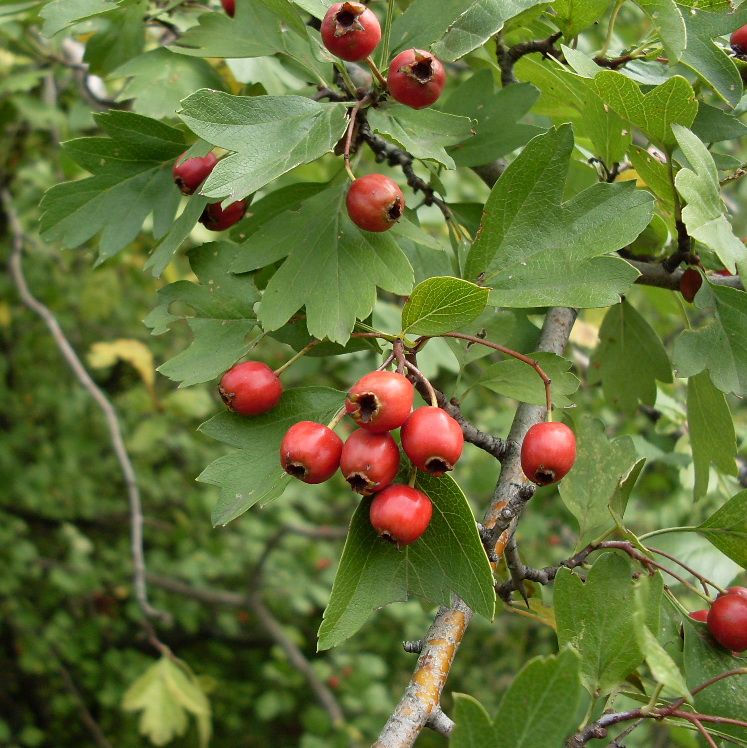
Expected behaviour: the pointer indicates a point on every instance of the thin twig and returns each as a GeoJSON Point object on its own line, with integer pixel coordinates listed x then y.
{"type": "Point", "coordinates": [110, 414]}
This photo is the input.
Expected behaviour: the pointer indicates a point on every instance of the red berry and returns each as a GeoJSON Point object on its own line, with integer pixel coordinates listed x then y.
{"type": "Point", "coordinates": [735, 591]}
{"type": "Point", "coordinates": [350, 31]}
{"type": "Point", "coordinates": [250, 388]}
{"type": "Point", "coordinates": [400, 514]}
{"type": "Point", "coordinates": [738, 40]}
{"type": "Point", "coordinates": [375, 202]}
{"type": "Point", "coordinates": [726, 273]}
{"type": "Point", "coordinates": [432, 439]}
{"type": "Point", "coordinates": [416, 78]}
{"type": "Point", "coordinates": [727, 621]}
{"type": "Point", "coordinates": [380, 401]}
{"type": "Point", "coordinates": [310, 452]}
{"type": "Point", "coordinates": [548, 452]}
{"type": "Point", "coordinates": [216, 218]}
{"type": "Point", "coordinates": [699, 615]}
{"type": "Point", "coordinates": [369, 461]}
{"type": "Point", "coordinates": [690, 282]}
{"type": "Point", "coordinates": [190, 174]}
{"type": "Point", "coordinates": [229, 6]}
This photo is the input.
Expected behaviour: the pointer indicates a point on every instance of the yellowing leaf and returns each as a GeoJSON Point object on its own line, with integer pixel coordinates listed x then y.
{"type": "Point", "coordinates": [133, 352]}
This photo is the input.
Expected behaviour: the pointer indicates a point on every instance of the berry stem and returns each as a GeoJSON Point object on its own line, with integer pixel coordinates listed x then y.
{"type": "Point", "coordinates": [349, 134]}
{"type": "Point", "coordinates": [413, 476]}
{"type": "Point", "coordinates": [337, 418]}
{"type": "Point", "coordinates": [387, 34]}
{"type": "Point", "coordinates": [419, 374]}
{"type": "Point", "coordinates": [295, 358]}
{"type": "Point", "coordinates": [509, 352]}
{"type": "Point", "coordinates": [377, 73]}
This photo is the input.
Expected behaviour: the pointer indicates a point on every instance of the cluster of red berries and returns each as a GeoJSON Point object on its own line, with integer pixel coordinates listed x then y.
{"type": "Point", "coordinates": [727, 618]}
{"type": "Point", "coordinates": [189, 175]}
{"type": "Point", "coordinates": [415, 78]}
{"type": "Point", "coordinates": [369, 459]}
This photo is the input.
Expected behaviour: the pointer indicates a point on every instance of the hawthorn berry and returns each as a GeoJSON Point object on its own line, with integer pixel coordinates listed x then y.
{"type": "Point", "coordinates": [310, 451]}
{"type": "Point", "coordinates": [380, 401]}
{"type": "Point", "coordinates": [400, 514]}
{"type": "Point", "coordinates": [190, 174]}
{"type": "Point", "coordinates": [690, 282]}
{"type": "Point", "coordinates": [250, 388]}
{"type": "Point", "coordinates": [416, 78]}
{"type": "Point", "coordinates": [738, 40]}
{"type": "Point", "coordinates": [350, 31]}
{"type": "Point", "coordinates": [548, 452]}
{"type": "Point", "coordinates": [216, 218]}
{"type": "Point", "coordinates": [735, 591]}
{"type": "Point", "coordinates": [375, 202]}
{"type": "Point", "coordinates": [369, 462]}
{"type": "Point", "coordinates": [727, 621]}
{"type": "Point", "coordinates": [432, 439]}
{"type": "Point", "coordinates": [229, 6]}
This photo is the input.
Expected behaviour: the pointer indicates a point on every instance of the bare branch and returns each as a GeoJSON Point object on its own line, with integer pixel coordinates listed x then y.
{"type": "Point", "coordinates": [110, 414]}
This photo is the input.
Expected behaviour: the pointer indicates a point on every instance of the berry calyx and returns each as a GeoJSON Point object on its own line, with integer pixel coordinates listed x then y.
{"type": "Point", "coordinates": [369, 462]}
{"type": "Point", "coordinates": [380, 401]}
{"type": "Point", "coordinates": [216, 218]}
{"type": "Point", "coordinates": [432, 439]}
{"type": "Point", "coordinates": [548, 452]}
{"type": "Point", "coordinates": [738, 41]}
{"type": "Point", "coordinates": [375, 202]}
{"type": "Point", "coordinates": [416, 78]}
{"type": "Point", "coordinates": [690, 282]}
{"type": "Point", "coordinates": [727, 621]}
{"type": "Point", "coordinates": [250, 388]}
{"type": "Point", "coordinates": [310, 451]}
{"type": "Point", "coordinates": [350, 31]}
{"type": "Point", "coordinates": [190, 174]}
{"type": "Point", "coordinates": [400, 514]}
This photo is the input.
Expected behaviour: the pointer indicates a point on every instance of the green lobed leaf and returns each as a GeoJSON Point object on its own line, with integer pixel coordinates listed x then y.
{"type": "Point", "coordinates": [332, 267]}
{"type": "Point", "coordinates": [59, 14]}
{"type": "Point", "coordinates": [442, 304]}
{"type": "Point", "coordinates": [655, 174]}
{"type": "Point", "coordinates": [726, 528]}
{"type": "Point", "coordinates": [713, 124]}
{"type": "Point", "coordinates": [255, 474]}
{"type": "Point", "coordinates": [495, 115]}
{"type": "Point", "coordinates": [131, 178]}
{"type": "Point", "coordinates": [711, 431]}
{"type": "Point", "coordinates": [721, 345]}
{"type": "Point", "coordinates": [515, 379]}
{"type": "Point", "coordinates": [121, 39]}
{"type": "Point", "coordinates": [166, 695]}
{"type": "Point", "coordinates": [655, 112]}
{"type": "Point", "coordinates": [562, 264]}
{"type": "Point", "coordinates": [704, 659]}
{"type": "Point", "coordinates": [473, 727]}
{"type": "Point", "coordinates": [252, 127]}
{"type": "Point", "coordinates": [629, 359]}
{"type": "Point", "coordinates": [424, 133]}
{"type": "Point", "coordinates": [704, 213]}
{"type": "Point", "coordinates": [448, 557]}
{"type": "Point", "coordinates": [710, 61]}
{"type": "Point", "coordinates": [573, 16]}
{"type": "Point", "coordinates": [599, 469]}
{"type": "Point", "coordinates": [596, 618]}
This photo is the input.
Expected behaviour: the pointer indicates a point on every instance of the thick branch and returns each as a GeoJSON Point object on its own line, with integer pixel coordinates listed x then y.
{"type": "Point", "coordinates": [507, 58]}
{"type": "Point", "coordinates": [655, 274]}
{"type": "Point", "coordinates": [110, 414]}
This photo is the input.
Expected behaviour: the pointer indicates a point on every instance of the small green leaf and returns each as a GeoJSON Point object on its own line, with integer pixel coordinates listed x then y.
{"type": "Point", "coordinates": [667, 19]}
{"type": "Point", "coordinates": [166, 695]}
{"type": "Point", "coordinates": [629, 359]}
{"type": "Point", "coordinates": [596, 617]}
{"type": "Point", "coordinates": [59, 14]}
{"type": "Point", "coordinates": [727, 528]}
{"type": "Point", "coordinates": [424, 133]}
{"type": "Point", "coordinates": [654, 173]}
{"type": "Point", "coordinates": [448, 557]}
{"type": "Point", "coordinates": [599, 468]}
{"type": "Point", "coordinates": [515, 379]}
{"type": "Point", "coordinates": [252, 127]}
{"type": "Point", "coordinates": [443, 304]}
{"type": "Point", "coordinates": [704, 213]}
{"type": "Point", "coordinates": [572, 17]}
{"type": "Point", "coordinates": [473, 727]}
{"type": "Point", "coordinates": [721, 345]}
